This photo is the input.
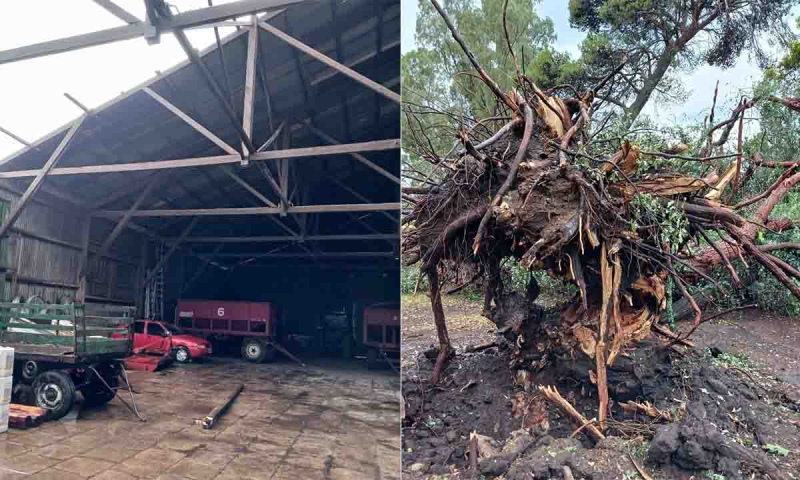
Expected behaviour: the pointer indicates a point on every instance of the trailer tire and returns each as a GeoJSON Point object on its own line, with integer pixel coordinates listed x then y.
{"type": "Point", "coordinates": [182, 355]}
{"type": "Point", "coordinates": [254, 350]}
{"type": "Point", "coordinates": [55, 392]}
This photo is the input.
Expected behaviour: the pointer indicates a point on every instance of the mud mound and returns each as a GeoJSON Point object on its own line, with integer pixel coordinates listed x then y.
{"type": "Point", "coordinates": [715, 420]}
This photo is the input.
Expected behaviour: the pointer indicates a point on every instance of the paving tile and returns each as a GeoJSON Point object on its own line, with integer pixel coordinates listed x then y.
{"type": "Point", "coordinates": [252, 466]}
{"type": "Point", "coordinates": [285, 424]}
{"type": "Point", "coordinates": [113, 474]}
{"type": "Point", "coordinates": [291, 472]}
{"type": "Point", "coordinates": [150, 462]}
{"type": "Point", "coordinates": [27, 463]}
{"type": "Point", "coordinates": [55, 474]}
{"type": "Point", "coordinates": [84, 466]}
{"type": "Point", "coordinates": [62, 451]}
{"type": "Point", "coordinates": [111, 453]}
{"type": "Point", "coordinates": [192, 469]}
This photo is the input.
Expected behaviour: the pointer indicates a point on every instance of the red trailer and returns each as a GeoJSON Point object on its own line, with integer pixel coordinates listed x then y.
{"type": "Point", "coordinates": [381, 334]}
{"type": "Point", "coordinates": [253, 322]}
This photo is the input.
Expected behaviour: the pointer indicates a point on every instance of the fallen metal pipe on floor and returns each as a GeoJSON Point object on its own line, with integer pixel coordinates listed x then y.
{"type": "Point", "coordinates": [211, 419]}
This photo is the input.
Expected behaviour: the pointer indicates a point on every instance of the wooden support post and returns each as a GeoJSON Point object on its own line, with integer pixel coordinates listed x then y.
{"type": "Point", "coordinates": [250, 83]}
{"type": "Point", "coordinates": [83, 269]}
{"type": "Point", "coordinates": [17, 266]}
{"type": "Point", "coordinates": [141, 271]}
{"type": "Point", "coordinates": [331, 63]}
{"type": "Point", "coordinates": [37, 181]}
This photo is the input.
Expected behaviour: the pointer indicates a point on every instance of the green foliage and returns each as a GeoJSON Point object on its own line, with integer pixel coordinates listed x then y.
{"type": "Point", "coordinates": [775, 449]}
{"type": "Point", "coordinates": [662, 38]}
{"type": "Point", "coordinates": [726, 359]}
{"type": "Point", "coordinates": [713, 476]}
{"type": "Point", "coordinates": [668, 218]}
{"type": "Point", "coordinates": [409, 277]}
{"type": "Point", "coordinates": [548, 286]}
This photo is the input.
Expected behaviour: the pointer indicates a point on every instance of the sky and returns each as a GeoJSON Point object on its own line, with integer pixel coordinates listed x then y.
{"type": "Point", "coordinates": [32, 102]}
{"type": "Point", "coordinates": [699, 84]}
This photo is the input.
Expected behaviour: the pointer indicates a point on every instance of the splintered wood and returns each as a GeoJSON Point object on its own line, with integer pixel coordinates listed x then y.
{"type": "Point", "coordinates": [551, 393]}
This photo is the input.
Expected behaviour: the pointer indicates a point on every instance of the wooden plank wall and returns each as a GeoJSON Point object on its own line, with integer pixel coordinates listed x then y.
{"type": "Point", "coordinates": [42, 257]}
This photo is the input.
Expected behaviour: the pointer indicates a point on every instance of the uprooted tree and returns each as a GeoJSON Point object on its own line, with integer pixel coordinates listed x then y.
{"type": "Point", "coordinates": [532, 183]}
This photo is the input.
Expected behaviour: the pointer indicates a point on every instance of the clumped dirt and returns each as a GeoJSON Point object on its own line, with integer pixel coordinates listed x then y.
{"type": "Point", "coordinates": [725, 414]}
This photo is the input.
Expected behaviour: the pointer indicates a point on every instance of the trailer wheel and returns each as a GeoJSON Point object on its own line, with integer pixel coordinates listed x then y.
{"type": "Point", "coordinates": [182, 355]}
{"type": "Point", "coordinates": [55, 392]}
{"type": "Point", "coordinates": [372, 358]}
{"type": "Point", "coordinates": [253, 350]}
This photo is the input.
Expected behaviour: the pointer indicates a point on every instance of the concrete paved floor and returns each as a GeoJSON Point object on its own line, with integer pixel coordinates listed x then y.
{"type": "Point", "coordinates": [328, 422]}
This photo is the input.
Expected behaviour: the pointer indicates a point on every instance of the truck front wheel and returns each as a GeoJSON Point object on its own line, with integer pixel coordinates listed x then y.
{"type": "Point", "coordinates": [182, 355]}
{"type": "Point", "coordinates": [253, 350]}
{"type": "Point", "coordinates": [54, 391]}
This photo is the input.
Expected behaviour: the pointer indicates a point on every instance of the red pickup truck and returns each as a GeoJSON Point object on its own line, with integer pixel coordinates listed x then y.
{"type": "Point", "coordinates": [155, 336]}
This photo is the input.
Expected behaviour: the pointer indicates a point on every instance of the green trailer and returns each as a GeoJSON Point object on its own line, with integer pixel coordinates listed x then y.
{"type": "Point", "coordinates": [60, 350]}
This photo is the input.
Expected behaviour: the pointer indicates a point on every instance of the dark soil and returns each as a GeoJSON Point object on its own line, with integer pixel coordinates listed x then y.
{"type": "Point", "coordinates": [728, 411]}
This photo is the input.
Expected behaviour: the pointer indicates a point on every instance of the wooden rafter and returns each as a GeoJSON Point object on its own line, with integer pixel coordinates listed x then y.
{"type": "Point", "coordinates": [375, 145]}
{"type": "Point", "coordinates": [191, 122]}
{"type": "Point", "coordinates": [393, 96]}
{"type": "Point", "coordinates": [223, 212]}
{"type": "Point", "coordinates": [39, 177]}
{"type": "Point", "coordinates": [361, 158]}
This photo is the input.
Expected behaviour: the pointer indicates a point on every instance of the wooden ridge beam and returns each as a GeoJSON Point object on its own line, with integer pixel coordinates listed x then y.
{"type": "Point", "coordinates": [347, 207]}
